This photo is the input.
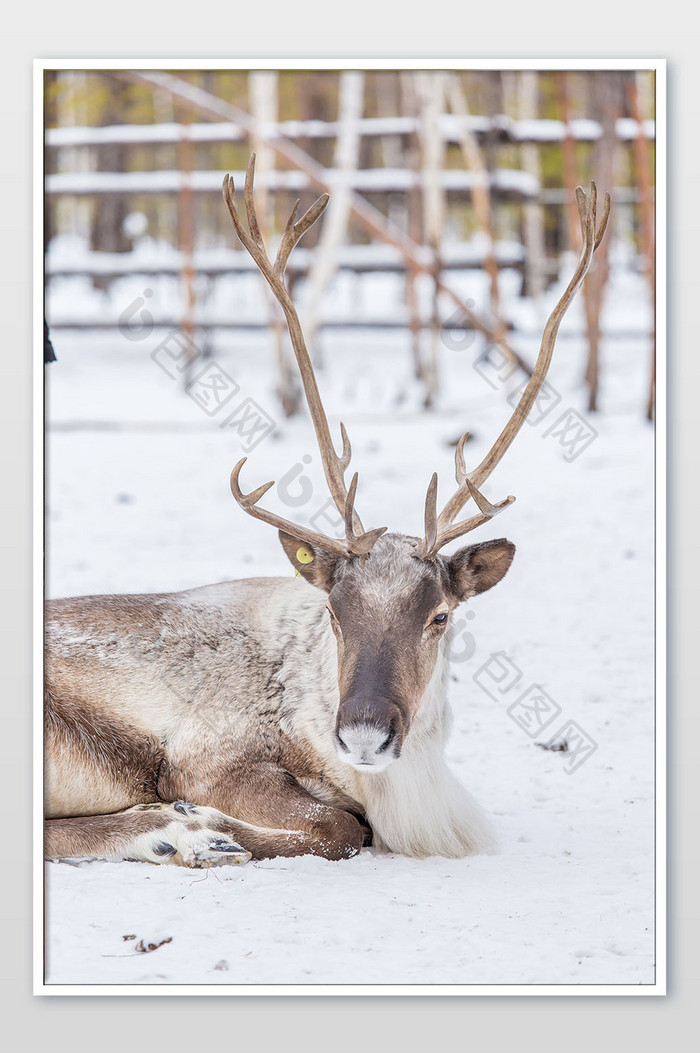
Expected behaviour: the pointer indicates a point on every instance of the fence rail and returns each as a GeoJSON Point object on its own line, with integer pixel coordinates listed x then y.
{"type": "Point", "coordinates": [501, 128]}
{"type": "Point", "coordinates": [506, 183]}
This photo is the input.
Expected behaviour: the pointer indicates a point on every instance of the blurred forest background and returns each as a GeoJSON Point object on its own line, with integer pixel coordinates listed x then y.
{"type": "Point", "coordinates": [434, 176]}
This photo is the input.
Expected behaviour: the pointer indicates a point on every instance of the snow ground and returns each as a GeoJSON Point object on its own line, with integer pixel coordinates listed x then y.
{"type": "Point", "coordinates": [138, 500]}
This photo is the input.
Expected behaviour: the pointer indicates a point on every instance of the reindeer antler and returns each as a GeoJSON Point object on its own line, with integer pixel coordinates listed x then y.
{"type": "Point", "coordinates": [440, 530]}
{"type": "Point", "coordinates": [357, 542]}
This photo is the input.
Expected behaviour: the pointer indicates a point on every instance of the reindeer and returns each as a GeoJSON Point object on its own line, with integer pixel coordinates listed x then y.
{"type": "Point", "coordinates": [277, 717]}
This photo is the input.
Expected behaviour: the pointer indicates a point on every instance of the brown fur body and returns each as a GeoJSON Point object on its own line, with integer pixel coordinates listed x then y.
{"type": "Point", "coordinates": [233, 697]}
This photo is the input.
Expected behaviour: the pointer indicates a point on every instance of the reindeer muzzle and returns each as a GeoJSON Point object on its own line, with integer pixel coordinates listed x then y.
{"type": "Point", "coordinates": [369, 733]}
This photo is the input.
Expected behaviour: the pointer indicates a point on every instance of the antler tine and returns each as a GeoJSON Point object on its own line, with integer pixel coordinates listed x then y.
{"type": "Point", "coordinates": [286, 242]}
{"type": "Point", "coordinates": [460, 466]}
{"type": "Point", "coordinates": [345, 456]}
{"type": "Point", "coordinates": [359, 544]}
{"type": "Point", "coordinates": [349, 505]}
{"type": "Point", "coordinates": [293, 232]}
{"type": "Point", "coordinates": [464, 527]}
{"type": "Point", "coordinates": [248, 502]}
{"type": "Point", "coordinates": [457, 500]}
{"type": "Point", "coordinates": [229, 191]}
{"type": "Point", "coordinates": [485, 506]}
{"type": "Point", "coordinates": [426, 549]}
{"type": "Point", "coordinates": [468, 483]}
{"type": "Point", "coordinates": [334, 466]}
{"type": "Point", "coordinates": [603, 223]}
{"type": "Point", "coordinates": [250, 204]}
{"type": "Point", "coordinates": [436, 537]}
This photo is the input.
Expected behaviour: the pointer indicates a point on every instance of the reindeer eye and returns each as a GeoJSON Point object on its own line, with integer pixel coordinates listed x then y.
{"type": "Point", "coordinates": [440, 619]}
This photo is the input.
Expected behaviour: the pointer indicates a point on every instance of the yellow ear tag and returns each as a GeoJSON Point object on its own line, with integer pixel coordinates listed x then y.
{"type": "Point", "coordinates": [304, 556]}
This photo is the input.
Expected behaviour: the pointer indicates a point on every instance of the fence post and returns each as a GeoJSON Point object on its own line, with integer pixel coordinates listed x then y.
{"type": "Point", "coordinates": [642, 164]}
{"type": "Point", "coordinates": [335, 225]}
{"type": "Point", "coordinates": [263, 95]}
{"type": "Point", "coordinates": [185, 234]}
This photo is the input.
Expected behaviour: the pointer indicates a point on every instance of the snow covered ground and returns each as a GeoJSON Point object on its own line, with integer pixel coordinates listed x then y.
{"type": "Point", "coordinates": [138, 500]}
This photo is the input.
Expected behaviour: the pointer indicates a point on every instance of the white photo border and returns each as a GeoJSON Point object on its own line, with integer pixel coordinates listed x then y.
{"type": "Point", "coordinates": [658, 988]}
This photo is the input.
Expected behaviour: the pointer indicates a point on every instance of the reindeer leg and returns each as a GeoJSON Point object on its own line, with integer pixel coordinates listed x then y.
{"type": "Point", "coordinates": [275, 815]}
{"type": "Point", "coordinates": [178, 834]}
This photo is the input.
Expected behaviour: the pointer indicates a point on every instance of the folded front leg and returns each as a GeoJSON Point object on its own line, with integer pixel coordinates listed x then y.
{"type": "Point", "coordinates": [178, 834]}
{"type": "Point", "coordinates": [275, 814]}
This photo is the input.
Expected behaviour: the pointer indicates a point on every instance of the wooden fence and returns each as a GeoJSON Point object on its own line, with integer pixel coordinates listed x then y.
{"type": "Point", "coordinates": [442, 170]}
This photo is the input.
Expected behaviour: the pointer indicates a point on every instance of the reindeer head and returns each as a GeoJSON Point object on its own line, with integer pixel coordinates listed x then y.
{"type": "Point", "coordinates": [390, 596]}
{"type": "Point", "coordinates": [389, 617]}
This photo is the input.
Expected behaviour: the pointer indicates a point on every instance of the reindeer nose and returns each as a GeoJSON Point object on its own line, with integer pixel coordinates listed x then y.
{"type": "Point", "coordinates": [368, 741]}
{"type": "Point", "coordinates": [347, 747]}
{"type": "Point", "coordinates": [387, 741]}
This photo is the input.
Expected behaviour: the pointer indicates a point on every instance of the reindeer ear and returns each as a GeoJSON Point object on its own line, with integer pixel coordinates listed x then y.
{"type": "Point", "coordinates": [479, 567]}
{"type": "Point", "coordinates": [312, 562]}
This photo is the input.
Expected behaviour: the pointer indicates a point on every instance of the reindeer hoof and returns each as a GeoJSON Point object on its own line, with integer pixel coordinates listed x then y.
{"type": "Point", "coordinates": [204, 848]}
{"type": "Point", "coordinates": [180, 846]}
{"type": "Point", "coordinates": [185, 809]}
{"type": "Point", "coordinates": [185, 836]}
